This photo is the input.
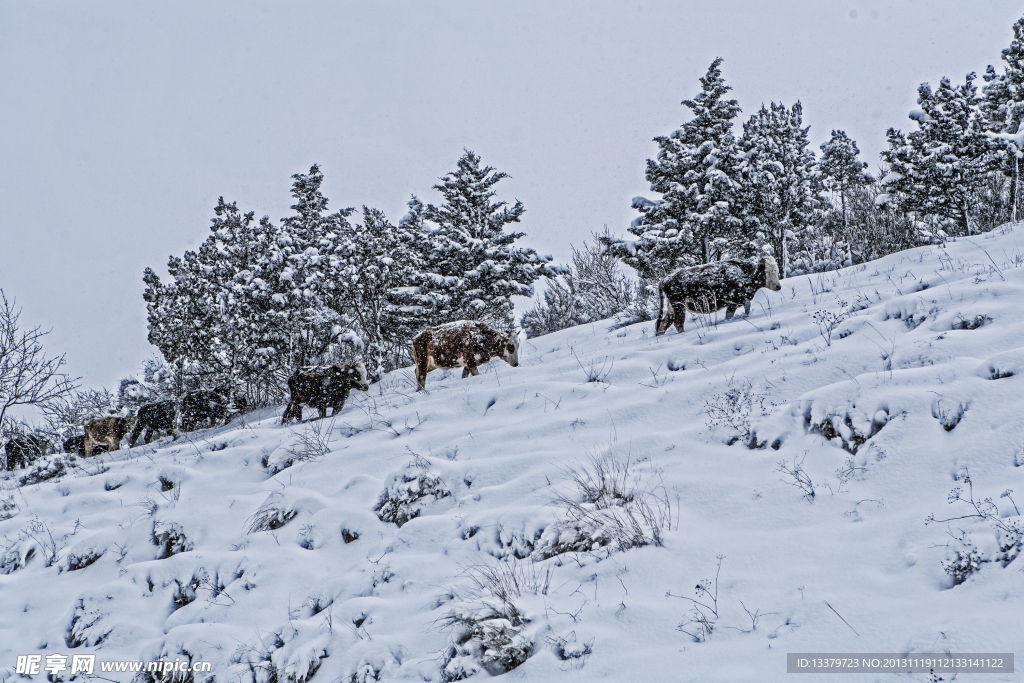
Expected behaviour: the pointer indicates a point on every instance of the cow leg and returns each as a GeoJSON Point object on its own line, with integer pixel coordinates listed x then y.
{"type": "Point", "coordinates": [420, 356]}
{"type": "Point", "coordinates": [679, 321]}
{"type": "Point", "coordinates": [86, 447]}
{"type": "Point", "coordinates": [336, 408]}
{"type": "Point", "coordinates": [746, 307]}
{"type": "Point", "coordinates": [135, 435]}
{"type": "Point", "coordinates": [115, 444]}
{"type": "Point", "coordinates": [288, 413]}
{"type": "Point", "coordinates": [421, 373]}
{"type": "Point", "coordinates": [469, 370]}
{"type": "Point", "coordinates": [322, 408]}
{"type": "Point", "coordinates": [730, 311]}
{"type": "Point", "coordinates": [149, 435]}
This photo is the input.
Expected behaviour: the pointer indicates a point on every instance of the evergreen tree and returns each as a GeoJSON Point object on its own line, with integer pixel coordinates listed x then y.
{"type": "Point", "coordinates": [842, 173]}
{"type": "Point", "coordinates": [937, 169]}
{"type": "Point", "coordinates": [696, 219]}
{"type": "Point", "coordinates": [299, 272]}
{"type": "Point", "coordinates": [212, 319]}
{"type": "Point", "coordinates": [841, 170]}
{"type": "Point", "coordinates": [1003, 107]}
{"type": "Point", "coordinates": [780, 181]}
{"type": "Point", "coordinates": [471, 267]}
{"type": "Point", "coordinates": [369, 262]}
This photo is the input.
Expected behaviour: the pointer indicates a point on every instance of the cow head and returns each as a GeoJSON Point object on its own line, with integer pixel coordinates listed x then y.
{"type": "Point", "coordinates": [360, 381]}
{"type": "Point", "coordinates": [510, 349]}
{"type": "Point", "coordinates": [771, 273]}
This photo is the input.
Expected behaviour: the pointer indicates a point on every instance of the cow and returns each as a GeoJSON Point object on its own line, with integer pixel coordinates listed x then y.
{"type": "Point", "coordinates": [154, 417]}
{"type": "Point", "coordinates": [23, 449]}
{"type": "Point", "coordinates": [76, 444]}
{"type": "Point", "coordinates": [464, 343]}
{"type": "Point", "coordinates": [106, 430]}
{"type": "Point", "coordinates": [321, 387]}
{"type": "Point", "coordinates": [203, 409]}
{"type": "Point", "coordinates": [705, 289]}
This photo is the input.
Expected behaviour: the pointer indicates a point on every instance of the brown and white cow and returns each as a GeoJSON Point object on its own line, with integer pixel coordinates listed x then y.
{"type": "Point", "coordinates": [705, 289]}
{"type": "Point", "coordinates": [322, 387]}
{"type": "Point", "coordinates": [464, 343]}
{"type": "Point", "coordinates": [106, 430]}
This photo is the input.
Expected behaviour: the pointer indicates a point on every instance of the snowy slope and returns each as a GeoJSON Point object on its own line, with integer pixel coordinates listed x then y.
{"type": "Point", "coordinates": [914, 387]}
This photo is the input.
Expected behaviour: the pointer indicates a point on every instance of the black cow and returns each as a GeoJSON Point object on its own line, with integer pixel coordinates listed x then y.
{"type": "Point", "coordinates": [154, 417]}
{"type": "Point", "coordinates": [202, 409]}
{"type": "Point", "coordinates": [24, 448]}
{"type": "Point", "coordinates": [322, 387]}
{"type": "Point", "coordinates": [76, 444]}
{"type": "Point", "coordinates": [705, 289]}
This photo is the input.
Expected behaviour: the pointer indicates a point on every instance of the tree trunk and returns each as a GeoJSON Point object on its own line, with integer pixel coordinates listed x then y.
{"type": "Point", "coordinates": [1013, 182]}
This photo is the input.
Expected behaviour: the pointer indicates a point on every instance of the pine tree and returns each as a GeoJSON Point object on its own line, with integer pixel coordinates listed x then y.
{"type": "Point", "coordinates": [299, 268]}
{"type": "Point", "coordinates": [212, 318]}
{"type": "Point", "coordinates": [780, 181]}
{"type": "Point", "coordinates": [937, 169]}
{"type": "Point", "coordinates": [1003, 107]}
{"type": "Point", "coordinates": [842, 173]}
{"type": "Point", "coordinates": [696, 219]}
{"type": "Point", "coordinates": [370, 261]}
{"type": "Point", "coordinates": [471, 267]}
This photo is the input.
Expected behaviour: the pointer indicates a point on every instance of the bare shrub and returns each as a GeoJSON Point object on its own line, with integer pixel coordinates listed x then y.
{"type": "Point", "coordinates": [269, 517]}
{"type": "Point", "coordinates": [796, 476]}
{"type": "Point", "coordinates": [592, 288]}
{"type": "Point", "coordinates": [313, 442]}
{"type": "Point", "coordinates": [489, 629]}
{"type": "Point", "coordinates": [700, 622]}
{"type": "Point", "coordinates": [1009, 532]}
{"type": "Point", "coordinates": [608, 508]}
{"type": "Point", "coordinates": [27, 376]}
{"type": "Point", "coordinates": [829, 321]}
{"type": "Point", "coordinates": [735, 410]}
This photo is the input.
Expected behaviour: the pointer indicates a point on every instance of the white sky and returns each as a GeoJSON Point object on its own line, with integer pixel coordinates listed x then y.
{"type": "Point", "coordinates": [121, 123]}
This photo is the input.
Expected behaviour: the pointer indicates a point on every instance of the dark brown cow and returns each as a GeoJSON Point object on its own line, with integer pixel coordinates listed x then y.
{"type": "Point", "coordinates": [24, 448]}
{"type": "Point", "coordinates": [323, 387]}
{"type": "Point", "coordinates": [106, 430]}
{"type": "Point", "coordinates": [705, 289]}
{"type": "Point", "coordinates": [464, 343]}
{"type": "Point", "coordinates": [152, 418]}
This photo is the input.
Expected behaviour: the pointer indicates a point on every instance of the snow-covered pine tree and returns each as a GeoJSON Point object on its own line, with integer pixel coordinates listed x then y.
{"type": "Point", "coordinates": [370, 261]}
{"type": "Point", "coordinates": [471, 267]}
{"type": "Point", "coordinates": [212, 319]}
{"type": "Point", "coordinates": [841, 170]}
{"type": "Point", "coordinates": [781, 184]}
{"type": "Point", "coordinates": [938, 168]}
{"type": "Point", "coordinates": [696, 219]}
{"type": "Point", "coordinates": [298, 266]}
{"type": "Point", "coordinates": [1003, 107]}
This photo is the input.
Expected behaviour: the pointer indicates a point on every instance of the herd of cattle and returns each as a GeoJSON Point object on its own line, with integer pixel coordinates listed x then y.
{"type": "Point", "coordinates": [468, 344]}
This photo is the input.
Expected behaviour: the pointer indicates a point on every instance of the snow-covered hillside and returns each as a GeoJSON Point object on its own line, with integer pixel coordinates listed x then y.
{"type": "Point", "coordinates": [790, 458]}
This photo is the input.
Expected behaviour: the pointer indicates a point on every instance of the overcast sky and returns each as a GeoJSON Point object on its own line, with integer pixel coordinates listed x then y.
{"type": "Point", "coordinates": [122, 122]}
